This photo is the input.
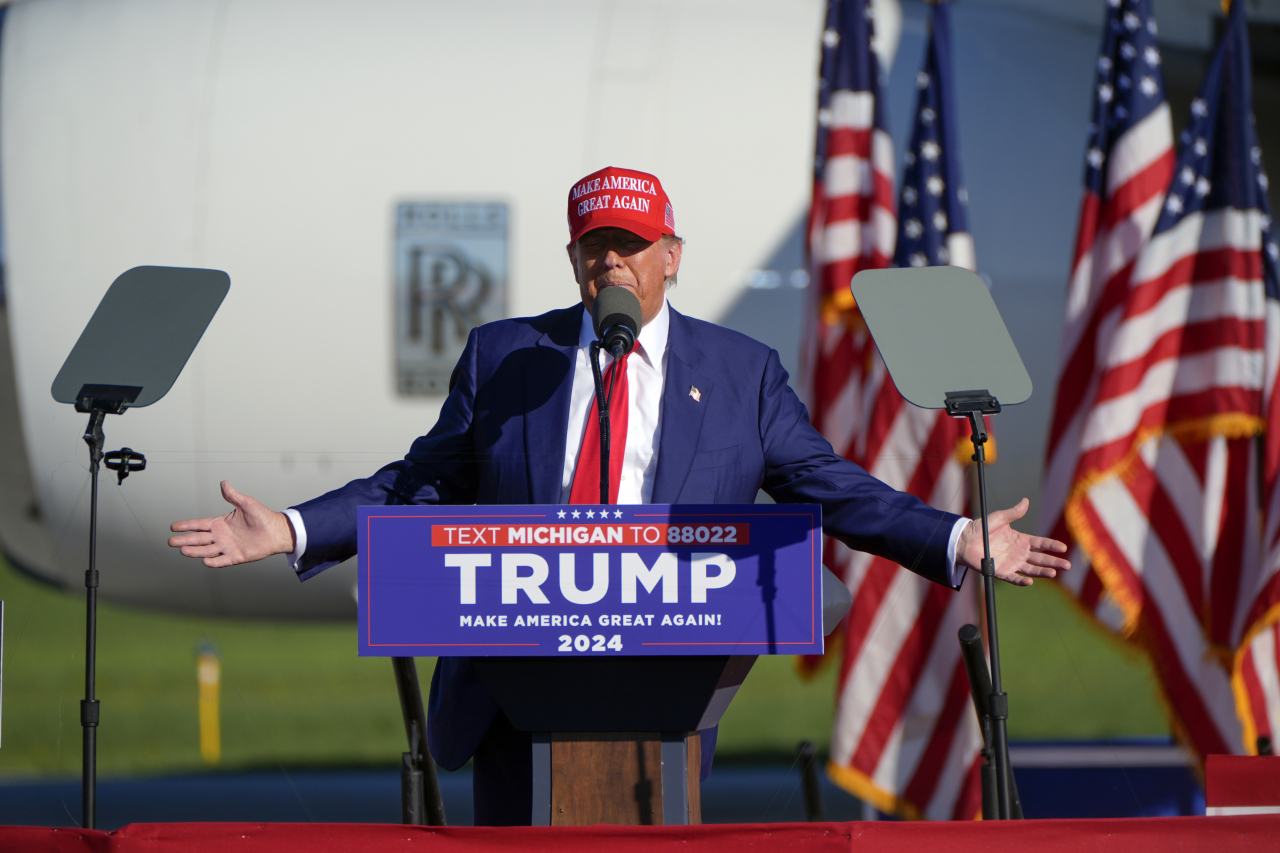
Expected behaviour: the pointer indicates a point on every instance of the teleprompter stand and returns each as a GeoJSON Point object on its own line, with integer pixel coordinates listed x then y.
{"type": "Point", "coordinates": [939, 333]}
{"type": "Point", "coordinates": [128, 356]}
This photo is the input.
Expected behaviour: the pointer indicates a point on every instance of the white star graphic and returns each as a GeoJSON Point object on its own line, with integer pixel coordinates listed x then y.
{"type": "Point", "coordinates": [1201, 147]}
{"type": "Point", "coordinates": [918, 260]}
{"type": "Point", "coordinates": [963, 195]}
{"type": "Point", "coordinates": [1202, 187]}
{"type": "Point", "coordinates": [940, 220]}
{"type": "Point", "coordinates": [1187, 175]}
{"type": "Point", "coordinates": [935, 185]}
{"type": "Point", "coordinates": [591, 513]}
{"type": "Point", "coordinates": [913, 229]}
{"type": "Point", "coordinates": [1255, 154]}
{"type": "Point", "coordinates": [617, 513]}
{"type": "Point", "coordinates": [1105, 93]}
{"type": "Point", "coordinates": [1174, 204]}
{"type": "Point", "coordinates": [930, 150]}
{"type": "Point", "coordinates": [824, 118]}
{"type": "Point", "coordinates": [1198, 108]}
{"type": "Point", "coordinates": [1262, 180]}
{"type": "Point", "coordinates": [1104, 63]}
{"type": "Point", "coordinates": [909, 195]}
{"type": "Point", "coordinates": [1151, 56]}
{"type": "Point", "coordinates": [1124, 82]}
{"type": "Point", "coordinates": [944, 257]}
{"type": "Point", "coordinates": [830, 38]}
{"type": "Point", "coordinates": [909, 158]}
{"type": "Point", "coordinates": [576, 513]}
{"type": "Point", "coordinates": [560, 514]}
{"type": "Point", "coordinates": [1095, 157]}
{"type": "Point", "coordinates": [1151, 25]}
{"type": "Point", "coordinates": [1273, 251]}
{"type": "Point", "coordinates": [1114, 4]}
{"type": "Point", "coordinates": [1132, 21]}
{"type": "Point", "coordinates": [1127, 50]}
{"type": "Point", "coordinates": [1148, 87]}
{"type": "Point", "coordinates": [922, 80]}
{"type": "Point", "coordinates": [927, 115]}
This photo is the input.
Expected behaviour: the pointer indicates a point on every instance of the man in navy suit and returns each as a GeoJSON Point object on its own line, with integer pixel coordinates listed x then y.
{"type": "Point", "coordinates": [706, 417]}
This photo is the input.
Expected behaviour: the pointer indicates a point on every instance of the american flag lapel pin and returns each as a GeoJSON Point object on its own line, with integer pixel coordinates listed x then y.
{"type": "Point", "coordinates": [695, 394]}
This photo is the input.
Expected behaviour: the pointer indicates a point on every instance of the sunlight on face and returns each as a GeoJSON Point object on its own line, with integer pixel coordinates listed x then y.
{"type": "Point", "coordinates": [615, 257]}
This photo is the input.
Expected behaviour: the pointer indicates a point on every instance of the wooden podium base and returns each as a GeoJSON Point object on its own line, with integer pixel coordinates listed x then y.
{"type": "Point", "coordinates": [620, 778]}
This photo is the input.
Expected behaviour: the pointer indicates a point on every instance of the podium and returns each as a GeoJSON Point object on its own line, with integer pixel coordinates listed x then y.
{"type": "Point", "coordinates": [615, 740]}
{"type": "Point", "coordinates": [613, 682]}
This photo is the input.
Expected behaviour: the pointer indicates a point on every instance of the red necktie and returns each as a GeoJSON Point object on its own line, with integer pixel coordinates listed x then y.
{"type": "Point", "coordinates": [586, 477]}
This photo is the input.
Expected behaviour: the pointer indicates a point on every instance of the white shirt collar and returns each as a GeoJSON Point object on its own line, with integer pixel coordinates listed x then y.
{"type": "Point", "coordinates": [651, 344]}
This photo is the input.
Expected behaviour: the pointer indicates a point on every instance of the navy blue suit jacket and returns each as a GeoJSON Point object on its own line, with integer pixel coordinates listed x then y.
{"type": "Point", "coordinates": [501, 435]}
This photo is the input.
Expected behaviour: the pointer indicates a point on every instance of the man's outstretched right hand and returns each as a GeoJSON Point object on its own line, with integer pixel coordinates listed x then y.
{"type": "Point", "coordinates": [250, 531]}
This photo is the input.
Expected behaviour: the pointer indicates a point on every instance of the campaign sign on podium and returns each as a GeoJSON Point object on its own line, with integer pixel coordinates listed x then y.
{"type": "Point", "coordinates": [589, 580]}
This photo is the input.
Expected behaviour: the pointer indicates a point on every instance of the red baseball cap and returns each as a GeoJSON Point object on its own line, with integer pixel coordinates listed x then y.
{"type": "Point", "coordinates": [620, 198]}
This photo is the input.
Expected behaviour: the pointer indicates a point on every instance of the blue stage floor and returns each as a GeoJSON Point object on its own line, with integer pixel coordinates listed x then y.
{"type": "Point", "coordinates": [1064, 780]}
{"type": "Point", "coordinates": [731, 795]}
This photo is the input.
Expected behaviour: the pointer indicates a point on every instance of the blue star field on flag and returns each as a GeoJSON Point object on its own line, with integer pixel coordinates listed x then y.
{"type": "Point", "coordinates": [845, 67]}
{"type": "Point", "coordinates": [1220, 161]}
{"type": "Point", "coordinates": [1128, 87]}
{"type": "Point", "coordinates": [933, 199]}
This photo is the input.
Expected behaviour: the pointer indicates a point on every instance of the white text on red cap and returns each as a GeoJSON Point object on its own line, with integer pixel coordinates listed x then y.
{"type": "Point", "coordinates": [604, 202]}
{"type": "Point", "coordinates": [613, 182]}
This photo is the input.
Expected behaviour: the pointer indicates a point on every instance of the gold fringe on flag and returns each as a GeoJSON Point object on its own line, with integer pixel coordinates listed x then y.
{"type": "Point", "coordinates": [1244, 708]}
{"type": "Point", "coordinates": [1226, 425]}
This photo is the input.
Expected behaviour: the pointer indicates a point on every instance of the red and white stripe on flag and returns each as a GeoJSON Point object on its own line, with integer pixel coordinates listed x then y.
{"type": "Point", "coordinates": [851, 228]}
{"type": "Point", "coordinates": [906, 738]}
{"type": "Point", "coordinates": [1110, 234]}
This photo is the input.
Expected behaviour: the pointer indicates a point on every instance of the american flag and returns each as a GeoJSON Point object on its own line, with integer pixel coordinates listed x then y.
{"type": "Point", "coordinates": [905, 737]}
{"type": "Point", "coordinates": [851, 228]}
{"type": "Point", "coordinates": [1167, 491]}
{"type": "Point", "coordinates": [1127, 169]}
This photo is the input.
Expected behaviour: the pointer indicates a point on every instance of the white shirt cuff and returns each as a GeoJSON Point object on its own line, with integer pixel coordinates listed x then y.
{"type": "Point", "coordinates": [955, 571]}
{"type": "Point", "coordinates": [300, 539]}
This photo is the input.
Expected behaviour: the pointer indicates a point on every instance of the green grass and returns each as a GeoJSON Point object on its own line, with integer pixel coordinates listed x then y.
{"type": "Point", "coordinates": [297, 694]}
{"type": "Point", "coordinates": [1065, 678]}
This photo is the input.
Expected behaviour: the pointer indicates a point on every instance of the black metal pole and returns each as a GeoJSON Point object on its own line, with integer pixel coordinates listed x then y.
{"type": "Point", "coordinates": [975, 665]}
{"type": "Point", "coordinates": [89, 707]}
{"type": "Point", "coordinates": [420, 769]}
{"type": "Point", "coordinates": [808, 758]}
{"type": "Point", "coordinates": [998, 704]}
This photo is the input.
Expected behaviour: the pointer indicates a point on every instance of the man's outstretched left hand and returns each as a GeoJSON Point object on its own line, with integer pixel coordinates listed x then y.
{"type": "Point", "coordinates": [1018, 557]}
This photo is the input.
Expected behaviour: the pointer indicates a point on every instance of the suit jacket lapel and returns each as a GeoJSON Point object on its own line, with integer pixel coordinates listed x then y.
{"type": "Point", "coordinates": [682, 414]}
{"type": "Point", "coordinates": [546, 425]}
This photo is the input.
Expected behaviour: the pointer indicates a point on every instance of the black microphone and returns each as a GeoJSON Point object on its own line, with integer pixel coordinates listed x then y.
{"type": "Point", "coordinates": [617, 319]}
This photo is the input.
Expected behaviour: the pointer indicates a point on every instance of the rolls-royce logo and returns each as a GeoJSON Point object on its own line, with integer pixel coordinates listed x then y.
{"type": "Point", "coordinates": [446, 293]}
{"type": "Point", "coordinates": [451, 270]}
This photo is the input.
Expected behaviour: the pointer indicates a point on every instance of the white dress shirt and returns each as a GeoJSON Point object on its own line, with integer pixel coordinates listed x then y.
{"type": "Point", "coordinates": [646, 376]}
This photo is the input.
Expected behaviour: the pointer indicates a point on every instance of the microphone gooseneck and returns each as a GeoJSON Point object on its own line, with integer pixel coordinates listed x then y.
{"type": "Point", "coordinates": [617, 319]}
